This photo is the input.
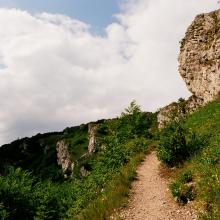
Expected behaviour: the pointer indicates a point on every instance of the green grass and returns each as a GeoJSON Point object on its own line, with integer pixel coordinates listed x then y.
{"type": "Point", "coordinates": [77, 141]}
{"type": "Point", "coordinates": [121, 144]}
{"type": "Point", "coordinates": [204, 166]}
{"type": "Point", "coordinates": [115, 194]}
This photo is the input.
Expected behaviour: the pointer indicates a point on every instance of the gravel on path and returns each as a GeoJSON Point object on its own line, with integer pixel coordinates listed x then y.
{"type": "Point", "coordinates": [150, 198]}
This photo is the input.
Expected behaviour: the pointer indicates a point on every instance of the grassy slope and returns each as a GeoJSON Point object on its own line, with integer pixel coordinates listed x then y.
{"type": "Point", "coordinates": [121, 145]}
{"type": "Point", "coordinates": [38, 154]}
{"type": "Point", "coordinates": [205, 165]}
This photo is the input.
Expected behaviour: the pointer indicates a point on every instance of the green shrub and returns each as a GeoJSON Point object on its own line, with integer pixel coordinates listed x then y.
{"type": "Point", "coordinates": [185, 177]}
{"type": "Point", "coordinates": [195, 142]}
{"type": "Point", "coordinates": [172, 149]}
{"type": "Point", "coordinates": [23, 197]}
{"type": "Point", "coordinates": [16, 195]}
{"type": "Point", "coordinates": [177, 144]}
{"type": "Point", "coordinates": [183, 188]}
{"type": "Point", "coordinates": [182, 192]}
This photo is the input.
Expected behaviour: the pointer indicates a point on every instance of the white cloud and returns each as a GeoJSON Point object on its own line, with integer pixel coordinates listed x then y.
{"type": "Point", "coordinates": [54, 73]}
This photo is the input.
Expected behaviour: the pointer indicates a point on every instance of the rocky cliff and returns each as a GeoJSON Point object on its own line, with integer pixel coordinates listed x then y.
{"type": "Point", "coordinates": [65, 155]}
{"type": "Point", "coordinates": [178, 109]}
{"type": "Point", "coordinates": [91, 136]}
{"type": "Point", "coordinates": [199, 57]}
{"type": "Point", "coordinates": [64, 158]}
{"type": "Point", "coordinates": [199, 64]}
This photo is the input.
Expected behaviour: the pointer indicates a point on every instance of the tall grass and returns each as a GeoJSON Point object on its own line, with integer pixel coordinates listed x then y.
{"type": "Point", "coordinates": [204, 166]}
{"type": "Point", "coordinates": [115, 194]}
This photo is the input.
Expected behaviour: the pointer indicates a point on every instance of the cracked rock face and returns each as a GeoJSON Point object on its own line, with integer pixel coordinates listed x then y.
{"type": "Point", "coordinates": [165, 115]}
{"type": "Point", "coordinates": [63, 158]}
{"type": "Point", "coordinates": [92, 139]}
{"type": "Point", "coordinates": [199, 64]}
{"type": "Point", "coordinates": [199, 57]}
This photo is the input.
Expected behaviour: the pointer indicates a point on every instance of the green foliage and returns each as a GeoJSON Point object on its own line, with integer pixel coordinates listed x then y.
{"type": "Point", "coordinates": [136, 123]}
{"type": "Point", "coordinates": [182, 192]}
{"type": "Point", "coordinates": [172, 149]}
{"type": "Point", "coordinates": [38, 153]}
{"type": "Point", "coordinates": [23, 197]}
{"type": "Point", "coordinates": [16, 196]}
{"type": "Point", "coordinates": [132, 109]}
{"type": "Point", "coordinates": [115, 193]}
{"type": "Point", "coordinates": [45, 194]}
{"type": "Point", "coordinates": [177, 144]}
{"type": "Point", "coordinates": [183, 188]}
{"type": "Point", "coordinates": [185, 177]}
{"type": "Point", "coordinates": [204, 166]}
{"type": "Point", "coordinates": [77, 141]}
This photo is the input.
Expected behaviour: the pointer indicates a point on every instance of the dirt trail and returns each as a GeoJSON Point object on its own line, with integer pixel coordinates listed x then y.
{"type": "Point", "coordinates": [150, 198]}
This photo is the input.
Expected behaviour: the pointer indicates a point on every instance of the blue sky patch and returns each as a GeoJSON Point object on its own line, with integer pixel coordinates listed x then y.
{"type": "Point", "coordinates": [97, 13]}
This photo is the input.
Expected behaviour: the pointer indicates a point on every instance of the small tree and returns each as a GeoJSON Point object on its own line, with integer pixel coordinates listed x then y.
{"type": "Point", "coordinates": [132, 109]}
{"type": "Point", "coordinates": [134, 121]}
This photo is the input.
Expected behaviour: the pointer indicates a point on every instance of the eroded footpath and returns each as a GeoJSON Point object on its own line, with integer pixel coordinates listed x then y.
{"type": "Point", "coordinates": [150, 197]}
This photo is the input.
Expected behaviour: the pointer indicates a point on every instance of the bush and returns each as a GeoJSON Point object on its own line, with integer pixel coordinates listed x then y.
{"type": "Point", "coordinates": [185, 177]}
{"type": "Point", "coordinates": [172, 149]}
{"type": "Point", "coordinates": [183, 188]}
{"type": "Point", "coordinates": [22, 197]}
{"type": "Point", "coordinates": [16, 196]}
{"type": "Point", "coordinates": [182, 192]}
{"type": "Point", "coordinates": [115, 194]}
{"type": "Point", "coordinates": [177, 144]}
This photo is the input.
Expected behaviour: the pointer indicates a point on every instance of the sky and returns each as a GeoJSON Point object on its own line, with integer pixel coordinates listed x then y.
{"type": "Point", "coordinates": [63, 63]}
{"type": "Point", "coordinates": [97, 13]}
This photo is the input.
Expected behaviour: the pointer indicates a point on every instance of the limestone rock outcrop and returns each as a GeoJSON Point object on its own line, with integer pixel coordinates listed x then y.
{"type": "Point", "coordinates": [92, 138]}
{"type": "Point", "coordinates": [199, 58]}
{"type": "Point", "coordinates": [199, 65]}
{"type": "Point", "coordinates": [64, 158]}
{"type": "Point", "coordinates": [83, 171]}
{"type": "Point", "coordinates": [178, 109]}
{"type": "Point", "coordinates": [164, 115]}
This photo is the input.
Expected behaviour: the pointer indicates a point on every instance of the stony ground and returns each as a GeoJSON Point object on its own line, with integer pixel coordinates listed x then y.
{"type": "Point", "coordinates": [150, 198]}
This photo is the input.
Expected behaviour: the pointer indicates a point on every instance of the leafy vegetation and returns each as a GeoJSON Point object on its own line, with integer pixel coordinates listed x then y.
{"type": "Point", "coordinates": [183, 188]}
{"type": "Point", "coordinates": [195, 143]}
{"type": "Point", "coordinates": [38, 153]}
{"type": "Point", "coordinates": [178, 144]}
{"type": "Point", "coordinates": [32, 185]}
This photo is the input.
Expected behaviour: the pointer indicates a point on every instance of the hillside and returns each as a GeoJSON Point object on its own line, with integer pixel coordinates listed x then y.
{"type": "Point", "coordinates": [189, 151]}
{"type": "Point", "coordinates": [33, 184]}
{"type": "Point", "coordinates": [202, 167]}
{"type": "Point", "coordinates": [190, 135]}
{"type": "Point", "coordinates": [38, 153]}
{"type": "Point", "coordinates": [70, 173]}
